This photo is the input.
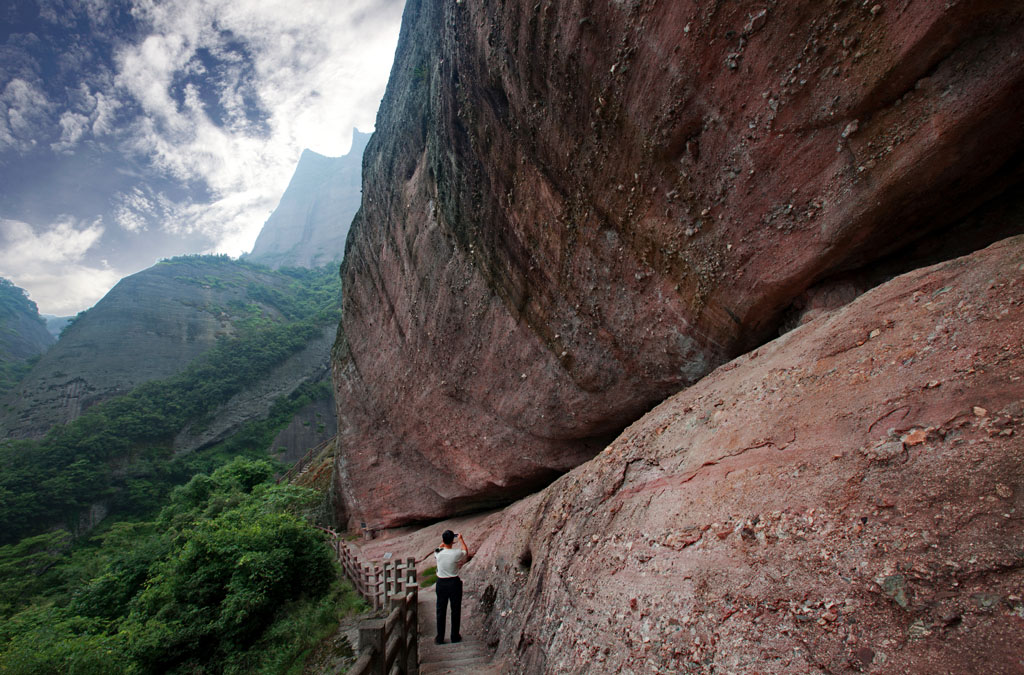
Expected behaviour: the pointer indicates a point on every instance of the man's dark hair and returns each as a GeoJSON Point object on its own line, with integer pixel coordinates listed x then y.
{"type": "Point", "coordinates": [448, 537]}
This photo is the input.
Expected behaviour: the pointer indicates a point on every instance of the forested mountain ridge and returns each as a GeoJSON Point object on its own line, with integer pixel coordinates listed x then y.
{"type": "Point", "coordinates": [150, 326]}
{"type": "Point", "coordinates": [114, 494]}
{"type": "Point", "coordinates": [146, 534]}
{"type": "Point", "coordinates": [229, 576]}
{"type": "Point", "coordinates": [267, 336]}
{"type": "Point", "coordinates": [23, 334]}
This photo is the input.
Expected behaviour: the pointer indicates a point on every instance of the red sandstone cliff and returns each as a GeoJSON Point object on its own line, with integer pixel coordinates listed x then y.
{"type": "Point", "coordinates": [847, 498]}
{"type": "Point", "coordinates": [572, 210]}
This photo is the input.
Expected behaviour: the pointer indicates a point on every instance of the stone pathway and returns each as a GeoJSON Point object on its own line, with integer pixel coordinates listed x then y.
{"type": "Point", "coordinates": [469, 657]}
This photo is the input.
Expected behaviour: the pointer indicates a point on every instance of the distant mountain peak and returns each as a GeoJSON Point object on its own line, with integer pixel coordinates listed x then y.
{"type": "Point", "coordinates": [309, 226]}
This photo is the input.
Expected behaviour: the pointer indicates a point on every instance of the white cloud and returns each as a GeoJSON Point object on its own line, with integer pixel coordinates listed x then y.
{"type": "Point", "coordinates": [103, 114]}
{"type": "Point", "coordinates": [315, 68]}
{"type": "Point", "coordinates": [133, 211]}
{"type": "Point", "coordinates": [24, 113]}
{"type": "Point", "coordinates": [72, 126]}
{"type": "Point", "coordinates": [50, 264]}
{"type": "Point", "coordinates": [279, 76]}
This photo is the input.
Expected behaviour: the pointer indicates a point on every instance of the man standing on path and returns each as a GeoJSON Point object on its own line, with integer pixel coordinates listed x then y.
{"type": "Point", "coordinates": [449, 585]}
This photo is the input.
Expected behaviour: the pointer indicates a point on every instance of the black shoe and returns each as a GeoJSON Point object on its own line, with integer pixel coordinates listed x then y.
{"type": "Point", "coordinates": [456, 638]}
{"type": "Point", "coordinates": [440, 641]}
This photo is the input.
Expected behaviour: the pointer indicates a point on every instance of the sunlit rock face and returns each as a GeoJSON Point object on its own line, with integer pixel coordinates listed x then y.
{"type": "Point", "coordinates": [309, 225]}
{"type": "Point", "coordinates": [846, 498]}
{"type": "Point", "coordinates": [571, 211]}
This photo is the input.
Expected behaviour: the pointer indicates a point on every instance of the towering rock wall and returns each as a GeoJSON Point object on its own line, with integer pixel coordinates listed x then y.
{"type": "Point", "coordinates": [309, 225]}
{"type": "Point", "coordinates": [571, 211]}
{"type": "Point", "coordinates": [847, 498]}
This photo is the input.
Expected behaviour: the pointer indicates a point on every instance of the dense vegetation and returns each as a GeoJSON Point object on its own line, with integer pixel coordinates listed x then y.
{"type": "Point", "coordinates": [229, 577]}
{"type": "Point", "coordinates": [15, 308]}
{"type": "Point", "coordinates": [202, 564]}
{"type": "Point", "coordinates": [119, 453]}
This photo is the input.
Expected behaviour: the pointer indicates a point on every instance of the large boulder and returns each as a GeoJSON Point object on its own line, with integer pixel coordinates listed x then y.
{"type": "Point", "coordinates": [849, 497]}
{"type": "Point", "coordinates": [573, 211]}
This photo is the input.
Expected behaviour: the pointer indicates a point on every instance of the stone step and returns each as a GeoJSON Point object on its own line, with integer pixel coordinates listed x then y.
{"type": "Point", "coordinates": [457, 659]}
{"type": "Point", "coordinates": [427, 657]}
{"type": "Point", "coordinates": [482, 667]}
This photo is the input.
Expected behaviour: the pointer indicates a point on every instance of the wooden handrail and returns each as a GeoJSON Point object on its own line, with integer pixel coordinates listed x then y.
{"type": "Point", "coordinates": [298, 466]}
{"type": "Point", "coordinates": [390, 645]}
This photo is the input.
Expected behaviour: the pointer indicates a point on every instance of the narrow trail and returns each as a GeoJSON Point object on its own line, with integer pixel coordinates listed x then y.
{"type": "Point", "coordinates": [469, 657]}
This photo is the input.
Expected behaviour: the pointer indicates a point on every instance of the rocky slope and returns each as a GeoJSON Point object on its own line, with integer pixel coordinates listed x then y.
{"type": "Point", "coordinates": [846, 498]}
{"type": "Point", "coordinates": [309, 226]}
{"type": "Point", "coordinates": [571, 212]}
{"type": "Point", "coordinates": [310, 426]}
{"type": "Point", "coordinates": [150, 326]}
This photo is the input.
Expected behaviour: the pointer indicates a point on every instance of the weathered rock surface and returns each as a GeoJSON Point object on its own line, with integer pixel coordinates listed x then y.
{"type": "Point", "coordinates": [308, 428]}
{"type": "Point", "coordinates": [848, 497]}
{"type": "Point", "coordinates": [309, 226]}
{"type": "Point", "coordinates": [571, 212]}
{"type": "Point", "coordinates": [311, 426]}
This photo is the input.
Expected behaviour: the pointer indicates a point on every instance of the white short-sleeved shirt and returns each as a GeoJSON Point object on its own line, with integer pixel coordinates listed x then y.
{"type": "Point", "coordinates": [448, 562]}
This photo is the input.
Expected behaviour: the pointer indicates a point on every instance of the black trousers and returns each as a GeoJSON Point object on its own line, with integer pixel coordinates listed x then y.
{"type": "Point", "coordinates": [449, 590]}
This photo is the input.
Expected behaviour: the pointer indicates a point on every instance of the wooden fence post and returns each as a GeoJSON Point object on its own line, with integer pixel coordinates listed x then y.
{"type": "Point", "coordinates": [378, 594]}
{"type": "Point", "coordinates": [413, 618]}
{"type": "Point", "coordinates": [367, 580]}
{"type": "Point", "coordinates": [397, 604]}
{"type": "Point", "coordinates": [389, 576]}
{"type": "Point", "coordinates": [371, 636]}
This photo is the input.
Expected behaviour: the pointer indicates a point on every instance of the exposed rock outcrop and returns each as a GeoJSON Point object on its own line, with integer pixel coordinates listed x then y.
{"type": "Point", "coordinates": [309, 226]}
{"type": "Point", "coordinates": [571, 212]}
{"type": "Point", "coordinates": [309, 427]}
{"type": "Point", "coordinates": [846, 498]}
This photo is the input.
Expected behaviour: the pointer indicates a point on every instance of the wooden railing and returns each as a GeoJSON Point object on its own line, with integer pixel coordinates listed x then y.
{"type": "Point", "coordinates": [301, 464]}
{"type": "Point", "coordinates": [388, 646]}
{"type": "Point", "coordinates": [377, 582]}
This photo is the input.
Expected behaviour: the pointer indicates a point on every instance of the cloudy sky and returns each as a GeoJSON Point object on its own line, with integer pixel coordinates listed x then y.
{"type": "Point", "coordinates": [134, 130]}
